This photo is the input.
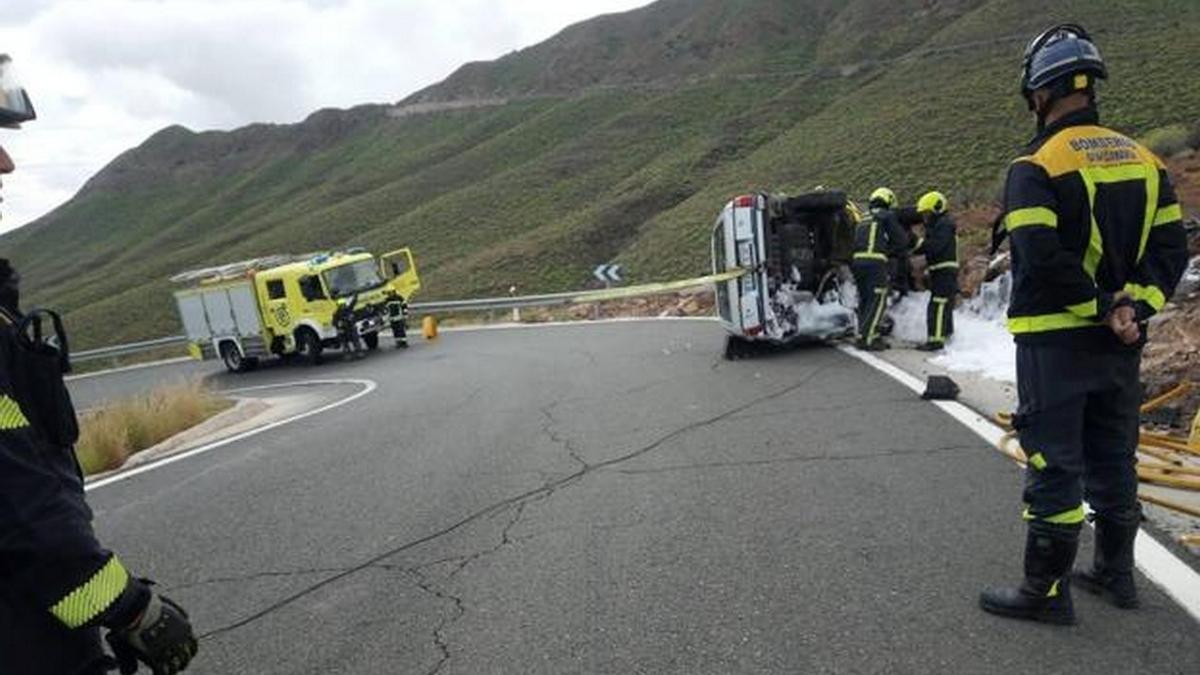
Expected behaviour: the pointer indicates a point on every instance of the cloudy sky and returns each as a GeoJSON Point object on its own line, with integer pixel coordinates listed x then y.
{"type": "Point", "coordinates": [105, 74]}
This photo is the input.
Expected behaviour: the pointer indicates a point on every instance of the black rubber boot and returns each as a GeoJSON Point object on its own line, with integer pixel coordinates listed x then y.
{"type": "Point", "coordinates": [878, 345]}
{"type": "Point", "coordinates": [1045, 595]}
{"type": "Point", "coordinates": [1111, 574]}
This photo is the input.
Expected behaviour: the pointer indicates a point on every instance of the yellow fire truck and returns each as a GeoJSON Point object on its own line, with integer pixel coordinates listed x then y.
{"type": "Point", "coordinates": [296, 306]}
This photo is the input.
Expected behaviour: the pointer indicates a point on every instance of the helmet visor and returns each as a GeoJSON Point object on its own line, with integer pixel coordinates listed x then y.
{"type": "Point", "coordinates": [15, 106]}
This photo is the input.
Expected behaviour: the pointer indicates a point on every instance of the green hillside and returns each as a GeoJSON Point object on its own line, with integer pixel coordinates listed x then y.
{"type": "Point", "coordinates": [618, 139]}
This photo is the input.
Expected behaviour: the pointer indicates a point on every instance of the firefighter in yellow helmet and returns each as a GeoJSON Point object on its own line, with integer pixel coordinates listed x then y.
{"type": "Point", "coordinates": [1098, 247]}
{"type": "Point", "coordinates": [940, 248]}
{"type": "Point", "coordinates": [59, 585]}
{"type": "Point", "coordinates": [877, 238]}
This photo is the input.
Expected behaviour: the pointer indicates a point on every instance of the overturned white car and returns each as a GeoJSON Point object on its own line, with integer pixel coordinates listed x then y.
{"type": "Point", "coordinates": [796, 252]}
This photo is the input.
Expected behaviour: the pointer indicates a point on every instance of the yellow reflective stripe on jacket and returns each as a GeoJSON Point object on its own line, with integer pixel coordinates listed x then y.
{"type": "Point", "coordinates": [1097, 175]}
{"type": "Point", "coordinates": [1151, 295]}
{"type": "Point", "coordinates": [1072, 517]}
{"type": "Point", "coordinates": [874, 230]}
{"type": "Point", "coordinates": [1085, 309]}
{"type": "Point", "coordinates": [94, 597]}
{"type": "Point", "coordinates": [1095, 248]}
{"type": "Point", "coordinates": [948, 265]}
{"type": "Point", "coordinates": [1047, 322]}
{"type": "Point", "coordinates": [1168, 215]}
{"type": "Point", "coordinates": [11, 415]}
{"type": "Point", "coordinates": [870, 256]}
{"type": "Point", "coordinates": [1035, 215]}
{"type": "Point", "coordinates": [1152, 190]}
{"type": "Point", "coordinates": [1037, 461]}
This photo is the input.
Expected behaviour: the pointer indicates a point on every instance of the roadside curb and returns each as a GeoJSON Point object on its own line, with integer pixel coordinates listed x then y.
{"type": "Point", "coordinates": [367, 387]}
{"type": "Point", "coordinates": [244, 410]}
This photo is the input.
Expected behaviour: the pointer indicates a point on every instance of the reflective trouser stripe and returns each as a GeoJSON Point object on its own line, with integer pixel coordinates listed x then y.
{"type": "Point", "coordinates": [948, 265]}
{"type": "Point", "coordinates": [1037, 461]}
{"type": "Point", "coordinates": [939, 322]}
{"type": "Point", "coordinates": [11, 415]}
{"type": "Point", "coordinates": [1069, 517]}
{"type": "Point", "coordinates": [880, 302]}
{"type": "Point", "coordinates": [96, 595]}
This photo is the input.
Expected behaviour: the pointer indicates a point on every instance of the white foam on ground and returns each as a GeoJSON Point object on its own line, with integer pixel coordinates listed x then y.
{"type": "Point", "coordinates": [981, 342]}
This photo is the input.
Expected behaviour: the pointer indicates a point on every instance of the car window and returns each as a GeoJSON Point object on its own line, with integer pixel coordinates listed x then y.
{"type": "Point", "coordinates": [310, 288]}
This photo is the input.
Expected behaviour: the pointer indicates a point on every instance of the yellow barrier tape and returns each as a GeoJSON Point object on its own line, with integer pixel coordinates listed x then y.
{"type": "Point", "coordinates": [649, 289]}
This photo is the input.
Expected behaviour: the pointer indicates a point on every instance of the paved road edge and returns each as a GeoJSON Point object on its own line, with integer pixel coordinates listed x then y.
{"type": "Point", "coordinates": [1179, 581]}
{"type": "Point", "coordinates": [368, 386]}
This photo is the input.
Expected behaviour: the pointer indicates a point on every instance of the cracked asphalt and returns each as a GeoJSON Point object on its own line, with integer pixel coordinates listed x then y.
{"type": "Point", "coordinates": [609, 498]}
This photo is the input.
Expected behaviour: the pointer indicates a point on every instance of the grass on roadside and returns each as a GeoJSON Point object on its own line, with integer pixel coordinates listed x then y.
{"type": "Point", "coordinates": [110, 436]}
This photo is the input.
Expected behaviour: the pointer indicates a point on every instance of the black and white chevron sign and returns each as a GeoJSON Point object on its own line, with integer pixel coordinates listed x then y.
{"type": "Point", "coordinates": [608, 273]}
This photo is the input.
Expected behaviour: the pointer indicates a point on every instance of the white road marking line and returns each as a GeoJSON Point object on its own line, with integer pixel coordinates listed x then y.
{"type": "Point", "coordinates": [1163, 568]}
{"type": "Point", "coordinates": [368, 386]}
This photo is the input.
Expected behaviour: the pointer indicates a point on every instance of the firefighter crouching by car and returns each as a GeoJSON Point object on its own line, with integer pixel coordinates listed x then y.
{"type": "Point", "coordinates": [877, 238]}
{"type": "Point", "coordinates": [1097, 248]}
{"type": "Point", "coordinates": [940, 248]}
{"type": "Point", "coordinates": [58, 585]}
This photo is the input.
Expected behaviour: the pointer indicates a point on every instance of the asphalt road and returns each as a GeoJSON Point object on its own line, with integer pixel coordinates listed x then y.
{"type": "Point", "coordinates": [610, 499]}
{"type": "Point", "coordinates": [93, 390]}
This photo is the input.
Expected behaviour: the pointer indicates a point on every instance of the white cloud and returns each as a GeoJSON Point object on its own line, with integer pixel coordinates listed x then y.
{"type": "Point", "coordinates": [105, 74]}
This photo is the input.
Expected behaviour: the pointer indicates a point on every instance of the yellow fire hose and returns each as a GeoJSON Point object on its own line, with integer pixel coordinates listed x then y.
{"type": "Point", "coordinates": [1169, 396]}
{"type": "Point", "coordinates": [1169, 471]}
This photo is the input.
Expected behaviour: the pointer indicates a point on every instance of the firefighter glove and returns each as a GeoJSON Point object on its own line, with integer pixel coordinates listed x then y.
{"type": "Point", "coordinates": [161, 638]}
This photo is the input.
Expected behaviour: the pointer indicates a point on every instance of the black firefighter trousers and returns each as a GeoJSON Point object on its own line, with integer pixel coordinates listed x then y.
{"type": "Point", "coordinates": [872, 279]}
{"type": "Point", "coordinates": [943, 286]}
{"type": "Point", "coordinates": [1078, 420]}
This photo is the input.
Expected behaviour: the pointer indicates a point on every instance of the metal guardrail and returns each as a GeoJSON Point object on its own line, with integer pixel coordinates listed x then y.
{"type": "Point", "coordinates": [126, 349]}
{"type": "Point", "coordinates": [441, 307]}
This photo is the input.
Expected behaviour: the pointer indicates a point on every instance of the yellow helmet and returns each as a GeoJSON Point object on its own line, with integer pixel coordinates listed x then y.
{"type": "Point", "coordinates": [932, 202]}
{"type": "Point", "coordinates": [883, 196]}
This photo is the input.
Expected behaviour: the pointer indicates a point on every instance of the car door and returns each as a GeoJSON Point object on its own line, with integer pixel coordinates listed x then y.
{"type": "Point", "coordinates": [399, 268]}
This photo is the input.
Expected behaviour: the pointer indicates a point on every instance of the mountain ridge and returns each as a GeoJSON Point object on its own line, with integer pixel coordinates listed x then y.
{"type": "Point", "coordinates": [558, 169]}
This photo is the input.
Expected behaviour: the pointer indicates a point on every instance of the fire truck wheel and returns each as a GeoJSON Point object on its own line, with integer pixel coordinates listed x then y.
{"type": "Point", "coordinates": [308, 346]}
{"type": "Point", "coordinates": [233, 359]}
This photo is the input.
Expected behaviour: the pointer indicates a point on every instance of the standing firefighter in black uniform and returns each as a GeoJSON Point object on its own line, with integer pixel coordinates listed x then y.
{"type": "Point", "coordinates": [58, 585]}
{"type": "Point", "coordinates": [878, 237]}
{"type": "Point", "coordinates": [1097, 248]}
{"type": "Point", "coordinates": [940, 248]}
